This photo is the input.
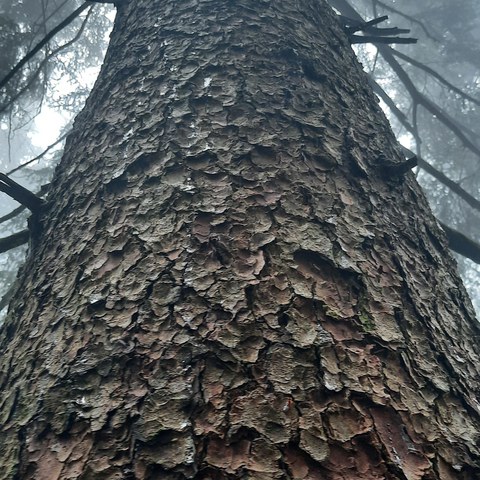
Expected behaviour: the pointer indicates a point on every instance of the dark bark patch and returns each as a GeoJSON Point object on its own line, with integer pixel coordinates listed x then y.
{"type": "Point", "coordinates": [312, 73]}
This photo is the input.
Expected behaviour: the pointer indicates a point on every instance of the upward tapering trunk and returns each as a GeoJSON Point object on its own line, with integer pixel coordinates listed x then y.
{"type": "Point", "coordinates": [233, 278]}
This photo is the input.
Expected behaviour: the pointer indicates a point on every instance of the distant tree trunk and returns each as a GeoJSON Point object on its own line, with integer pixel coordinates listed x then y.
{"type": "Point", "coordinates": [233, 280]}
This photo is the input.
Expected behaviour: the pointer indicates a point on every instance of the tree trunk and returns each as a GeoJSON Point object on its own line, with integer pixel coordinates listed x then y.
{"type": "Point", "coordinates": [234, 278]}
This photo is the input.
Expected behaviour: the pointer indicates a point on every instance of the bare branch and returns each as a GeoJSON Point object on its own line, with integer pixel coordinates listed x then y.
{"type": "Point", "coordinates": [391, 105]}
{"type": "Point", "coordinates": [44, 20]}
{"type": "Point", "coordinates": [441, 177]}
{"type": "Point", "coordinates": [453, 186]}
{"type": "Point", "coordinates": [375, 34]}
{"type": "Point", "coordinates": [20, 194]}
{"type": "Point", "coordinates": [460, 131]}
{"type": "Point", "coordinates": [14, 241]}
{"type": "Point", "coordinates": [38, 157]}
{"type": "Point", "coordinates": [12, 214]}
{"type": "Point", "coordinates": [379, 40]}
{"type": "Point", "coordinates": [461, 244]}
{"type": "Point", "coordinates": [408, 17]}
{"type": "Point", "coordinates": [17, 211]}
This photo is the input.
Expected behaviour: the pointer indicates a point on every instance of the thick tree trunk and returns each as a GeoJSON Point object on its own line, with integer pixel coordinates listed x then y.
{"type": "Point", "coordinates": [232, 279]}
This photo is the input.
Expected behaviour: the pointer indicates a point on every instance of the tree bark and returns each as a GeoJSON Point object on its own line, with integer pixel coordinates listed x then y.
{"type": "Point", "coordinates": [230, 281]}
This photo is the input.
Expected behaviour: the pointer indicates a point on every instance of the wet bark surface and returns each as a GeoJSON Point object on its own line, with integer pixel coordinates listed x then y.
{"type": "Point", "coordinates": [229, 284]}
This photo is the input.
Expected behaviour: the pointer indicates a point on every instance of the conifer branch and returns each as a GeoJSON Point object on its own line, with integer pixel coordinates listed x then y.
{"type": "Point", "coordinates": [20, 194]}
{"type": "Point", "coordinates": [42, 43]}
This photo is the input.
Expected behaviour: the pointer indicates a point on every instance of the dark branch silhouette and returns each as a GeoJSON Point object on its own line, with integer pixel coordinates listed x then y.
{"type": "Point", "coordinates": [17, 211]}
{"type": "Point", "coordinates": [14, 213]}
{"type": "Point", "coordinates": [376, 35]}
{"type": "Point", "coordinates": [44, 188]}
{"type": "Point", "coordinates": [20, 194]}
{"type": "Point", "coordinates": [14, 241]}
{"type": "Point", "coordinates": [407, 17]}
{"type": "Point", "coordinates": [461, 244]}
{"type": "Point", "coordinates": [380, 40]}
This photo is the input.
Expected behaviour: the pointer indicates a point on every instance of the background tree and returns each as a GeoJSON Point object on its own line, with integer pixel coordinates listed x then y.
{"type": "Point", "coordinates": [234, 275]}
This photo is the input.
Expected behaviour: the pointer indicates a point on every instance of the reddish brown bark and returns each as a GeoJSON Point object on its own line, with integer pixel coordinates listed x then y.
{"type": "Point", "coordinates": [227, 283]}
